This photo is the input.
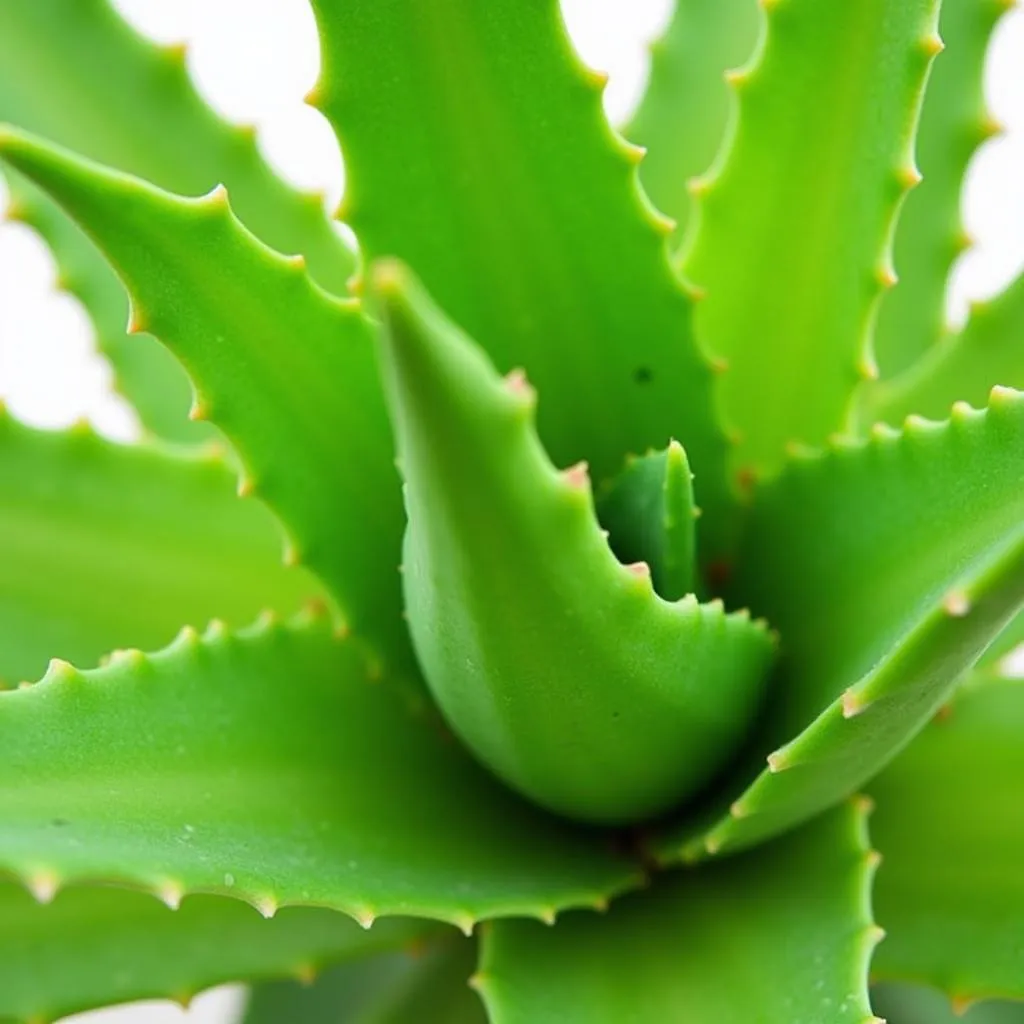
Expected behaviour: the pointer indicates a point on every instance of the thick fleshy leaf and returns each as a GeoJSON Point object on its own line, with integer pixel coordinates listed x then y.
{"type": "Point", "coordinates": [887, 567]}
{"type": "Point", "coordinates": [930, 234]}
{"type": "Point", "coordinates": [426, 986]}
{"type": "Point", "coordinates": [950, 829]}
{"type": "Point", "coordinates": [989, 351]}
{"type": "Point", "coordinates": [73, 71]}
{"type": "Point", "coordinates": [683, 116]}
{"type": "Point", "coordinates": [266, 766]}
{"type": "Point", "coordinates": [780, 935]}
{"type": "Point", "coordinates": [106, 546]}
{"type": "Point", "coordinates": [96, 946]}
{"type": "Point", "coordinates": [144, 371]}
{"type": "Point", "coordinates": [792, 227]}
{"type": "Point", "coordinates": [912, 1004]}
{"type": "Point", "coordinates": [285, 370]}
{"type": "Point", "coordinates": [528, 629]}
{"type": "Point", "coordinates": [477, 151]}
{"type": "Point", "coordinates": [649, 514]}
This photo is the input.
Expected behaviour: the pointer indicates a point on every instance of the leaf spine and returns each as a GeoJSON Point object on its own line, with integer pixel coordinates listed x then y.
{"type": "Point", "coordinates": [577, 476]}
{"type": "Point", "coordinates": [364, 917]}
{"type": "Point", "coordinates": [465, 923]}
{"type": "Point", "coordinates": [932, 44]}
{"type": "Point", "coordinates": [853, 704]}
{"type": "Point", "coordinates": [169, 894]}
{"type": "Point", "coordinates": [956, 603]}
{"type": "Point", "coordinates": [267, 906]}
{"type": "Point", "coordinates": [42, 885]}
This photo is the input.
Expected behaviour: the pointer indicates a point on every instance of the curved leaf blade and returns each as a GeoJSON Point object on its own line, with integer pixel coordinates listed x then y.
{"type": "Point", "coordinates": [683, 115]}
{"type": "Point", "coordinates": [511, 198]}
{"type": "Point", "coordinates": [930, 234]}
{"type": "Point", "coordinates": [950, 891]}
{"type": "Point", "coordinates": [318, 788]}
{"type": "Point", "coordinates": [97, 946]}
{"type": "Point", "coordinates": [106, 546]}
{"type": "Point", "coordinates": [792, 228]}
{"type": "Point", "coordinates": [527, 627]}
{"type": "Point", "coordinates": [888, 567]}
{"type": "Point", "coordinates": [286, 371]}
{"type": "Point", "coordinates": [709, 945]}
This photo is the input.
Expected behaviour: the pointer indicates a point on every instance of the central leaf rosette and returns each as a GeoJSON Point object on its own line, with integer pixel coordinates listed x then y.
{"type": "Point", "coordinates": [562, 668]}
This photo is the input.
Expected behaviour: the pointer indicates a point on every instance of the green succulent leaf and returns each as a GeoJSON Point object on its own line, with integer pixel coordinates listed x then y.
{"type": "Point", "coordinates": [144, 371]}
{"type": "Point", "coordinates": [73, 71]}
{"type": "Point", "coordinates": [426, 986]}
{"type": "Point", "coordinates": [964, 366]}
{"type": "Point", "coordinates": [266, 766]}
{"type": "Point", "coordinates": [1008, 641]}
{"type": "Point", "coordinates": [912, 1004]}
{"type": "Point", "coordinates": [951, 891]}
{"type": "Point", "coordinates": [527, 627]}
{"type": "Point", "coordinates": [287, 372]}
{"type": "Point", "coordinates": [930, 234]}
{"type": "Point", "coordinates": [776, 936]}
{"type": "Point", "coordinates": [107, 546]}
{"type": "Point", "coordinates": [683, 115]}
{"type": "Point", "coordinates": [518, 206]}
{"type": "Point", "coordinates": [649, 514]}
{"type": "Point", "coordinates": [791, 233]}
{"type": "Point", "coordinates": [887, 567]}
{"type": "Point", "coordinates": [95, 946]}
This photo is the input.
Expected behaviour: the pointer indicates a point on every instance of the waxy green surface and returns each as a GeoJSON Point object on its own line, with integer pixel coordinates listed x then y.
{"type": "Point", "coordinates": [268, 767]}
{"type": "Point", "coordinates": [950, 828]}
{"type": "Point", "coordinates": [106, 546]}
{"type": "Point", "coordinates": [777, 936]}
{"type": "Point", "coordinates": [888, 567]}
{"type": "Point", "coordinates": [790, 239]}
{"type": "Point", "coordinates": [99, 945]}
{"type": "Point", "coordinates": [559, 666]}
{"type": "Point", "coordinates": [285, 370]}
{"type": "Point", "coordinates": [518, 207]}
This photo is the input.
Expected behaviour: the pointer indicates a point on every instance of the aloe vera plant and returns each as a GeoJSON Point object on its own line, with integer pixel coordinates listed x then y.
{"type": "Point", "coordinates": [622, 574]}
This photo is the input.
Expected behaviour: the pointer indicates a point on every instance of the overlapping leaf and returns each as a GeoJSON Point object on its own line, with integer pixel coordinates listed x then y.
{"type": "Point", "coordinates": [95, 946]}
{"type": "Point", "coordinates": [683, 115]}
{"type": "Point", "coordinates": [527, 627]}
{"type": "Point", "coordinates": [780, 935]}
{"type": "Point", "coordinates": [887, 567]}
{"type": "Point", "coordinates": [792, 226]}
{"type": "Point", "coordinates": [286, 371]}
{"type": "Point", "coordinates": [73, 71]}
{"type": "Point", "coordinates": [267, 767]}
{"type": "Point", "coordinates": [930, 234]}
{"type": "Point", "coordinates": [508, 194]}
{"type": "Point", "coordinates": [951, 892]}
{"type": "Point", "coordinates": [106, 546]}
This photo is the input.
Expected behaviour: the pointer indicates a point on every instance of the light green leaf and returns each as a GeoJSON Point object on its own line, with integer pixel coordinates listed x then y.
{"type": "Point", "coordinates": [285, 370]}
{"type": "Point", "coordinates": [144, 372]}
{"type": "Point", "coordinates": [951, 889]}
{"type": "Point", "coordinates": [649, 514]}
{"type": "Point", "coordinates": [97, 946]}
{"type": "Point", "coordinates": [73, 71]}
{"type": "Point", "coordinates": [964, 366]}
{"type": "Point", "coordinates": [527, 627]}
{"type": "Point", "coordinates": [930, 233]}
{"type": "Point", "coordinates": [791, 231]}
{"type": "Point", "coordinates": [267, 767]}
{"type": "Point", "coordinates": [477, 151]}
{"type": "Point", "coordinates": [887, 566]}
{"type": "Point", "coordinates": [1008, 641]}
{"type": "Point", "coordinates": [771, 937]}
{"type": "Point", "coordinates": [428, 987]}
{"type": "Point", "coordinates": [911, 1004]}
{"type": "Point", "coordinates": [683, 115]}
{"type": "Point", "coordinates": [106, 546]}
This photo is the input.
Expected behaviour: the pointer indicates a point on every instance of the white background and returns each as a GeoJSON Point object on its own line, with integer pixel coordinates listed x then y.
{"type": "Point", "coordinates": [254, 60]}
